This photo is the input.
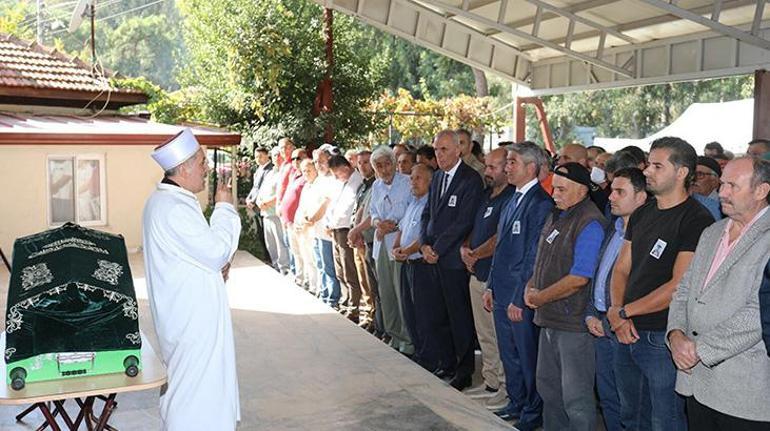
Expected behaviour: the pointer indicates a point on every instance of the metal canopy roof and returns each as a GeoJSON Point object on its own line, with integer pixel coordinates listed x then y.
{"type": "Point", "coordinates": [557, 46]}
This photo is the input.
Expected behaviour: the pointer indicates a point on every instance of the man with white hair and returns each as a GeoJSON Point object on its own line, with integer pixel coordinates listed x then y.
{"type": "Point", "coordinates": [186, 261]}
{"type": "Point", "coordinates": [454, 196]}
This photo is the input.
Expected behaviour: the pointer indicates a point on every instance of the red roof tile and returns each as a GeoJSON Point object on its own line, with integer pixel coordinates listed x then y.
{"type": "Point", "coordinates": [30, 65]}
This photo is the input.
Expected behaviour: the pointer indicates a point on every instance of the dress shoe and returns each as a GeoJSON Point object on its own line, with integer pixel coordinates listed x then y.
{"type": "Point", "coordinates": [441, 373]}
{"type": "Point", "coordinates": [460, 382]}
{"type": "Point", "coordinates": [506, 415]}
{"type": "Point", "coordinates": [480, 392]}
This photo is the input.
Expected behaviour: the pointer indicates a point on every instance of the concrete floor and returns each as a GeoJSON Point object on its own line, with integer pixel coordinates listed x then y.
{"type": "Point", "coordinates": [302, 366]}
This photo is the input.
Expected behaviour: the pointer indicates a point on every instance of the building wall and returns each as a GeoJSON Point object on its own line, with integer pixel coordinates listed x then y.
{"type": "Point", "coordinates": [130, 175]}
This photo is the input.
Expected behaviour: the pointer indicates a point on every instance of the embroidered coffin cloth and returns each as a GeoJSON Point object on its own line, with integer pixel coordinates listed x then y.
{"type": "Point", "coordinates": [70, 291]}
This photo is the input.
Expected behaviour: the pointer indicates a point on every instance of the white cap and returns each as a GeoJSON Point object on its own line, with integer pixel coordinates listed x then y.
{"type": "Point", "coordinates": [176, 150]}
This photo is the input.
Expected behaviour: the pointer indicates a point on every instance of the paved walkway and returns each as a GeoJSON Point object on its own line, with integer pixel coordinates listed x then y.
{"type": "Point", "coordinates": [302, 366]}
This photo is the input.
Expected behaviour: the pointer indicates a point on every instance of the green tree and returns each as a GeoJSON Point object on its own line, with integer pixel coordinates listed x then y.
{"type": "Point", "coordinates": [256, 66]}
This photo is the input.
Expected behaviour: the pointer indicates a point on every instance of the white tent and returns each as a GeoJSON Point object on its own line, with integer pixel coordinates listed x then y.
{"type": "Point", "coordinates": [729, 123]}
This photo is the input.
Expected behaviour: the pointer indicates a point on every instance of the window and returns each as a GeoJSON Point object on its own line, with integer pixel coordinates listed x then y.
{"type": "Point", "coordinates": [76, 190]}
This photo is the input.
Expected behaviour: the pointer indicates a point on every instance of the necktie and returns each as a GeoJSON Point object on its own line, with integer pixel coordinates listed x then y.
{"type": "Point", "coordinates": [444, 183]}
{"type": "Point", "coordinates": [511, 208]}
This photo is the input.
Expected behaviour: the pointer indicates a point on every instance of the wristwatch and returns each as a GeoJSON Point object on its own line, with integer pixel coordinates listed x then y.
{"type": "Point", "coordinates": [622, 313]}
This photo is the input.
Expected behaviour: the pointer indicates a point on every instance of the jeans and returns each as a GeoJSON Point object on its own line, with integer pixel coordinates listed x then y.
{"type": "Point", "coordinates": [330, 286]}
{"type": "Point", "coordinates": [648, 363]}
{"type": "Point", "coordinates": [606, 347]}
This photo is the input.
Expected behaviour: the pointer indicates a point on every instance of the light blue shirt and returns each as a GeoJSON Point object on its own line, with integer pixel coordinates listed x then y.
{"type": "Point", "coordinates": [389, 202]}
{"type": "Point", "coordinates": [609, 257]}
{"type": "Point", "coordinates": [411, 222]}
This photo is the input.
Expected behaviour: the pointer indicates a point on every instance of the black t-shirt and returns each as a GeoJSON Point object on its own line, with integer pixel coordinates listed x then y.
{"type": "Point", "coordinates": [657, 237]}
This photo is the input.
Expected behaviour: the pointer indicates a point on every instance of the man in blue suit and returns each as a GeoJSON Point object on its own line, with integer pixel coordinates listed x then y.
{"type": "Point", "coordinates": [512, 264]}
{"type": "Point", "coordinates": [454, 196]}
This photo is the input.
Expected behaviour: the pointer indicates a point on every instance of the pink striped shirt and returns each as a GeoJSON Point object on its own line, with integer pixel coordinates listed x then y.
{"type": "Point", "coordinates": [725, 246]}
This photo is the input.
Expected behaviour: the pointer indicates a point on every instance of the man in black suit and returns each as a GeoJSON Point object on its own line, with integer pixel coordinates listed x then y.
{"type": "Point", "coordinates": [447, 220]}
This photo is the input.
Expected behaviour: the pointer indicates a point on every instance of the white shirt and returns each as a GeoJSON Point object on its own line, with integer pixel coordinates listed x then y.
{"type": "Point", "coordinates": [525, 188]}
{"type": "Point", "coordinates": [451, 174]}
{"type": "Point", "coordinates": [342, 203]}
{"type": "Point", "coordinates": [314, 195]}
{"type": "Point", "coordinates": [183, 256]}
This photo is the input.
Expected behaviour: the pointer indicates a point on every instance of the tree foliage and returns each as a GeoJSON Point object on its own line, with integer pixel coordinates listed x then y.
{"type": "Point", "coordinates": [418, 120]}
{"type": "Point", "coordinates": [256, 66]}
{"type": "Point", "coordinates": [636, 112]}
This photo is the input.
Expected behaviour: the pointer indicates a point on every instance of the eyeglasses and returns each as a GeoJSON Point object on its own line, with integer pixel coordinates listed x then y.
{"type": "Point", "coordinates": [294, 159]}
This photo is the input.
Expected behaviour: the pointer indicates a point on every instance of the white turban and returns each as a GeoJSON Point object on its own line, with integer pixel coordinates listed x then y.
{"type": "Point", "coordinates": [177, 150]}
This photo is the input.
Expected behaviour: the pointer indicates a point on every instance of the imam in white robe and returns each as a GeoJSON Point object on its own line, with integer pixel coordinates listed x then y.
{"type": "Point", "coordinates": [183, 258]}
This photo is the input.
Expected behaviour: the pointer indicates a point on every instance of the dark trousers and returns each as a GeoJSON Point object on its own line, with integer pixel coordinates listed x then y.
{"type": "Point", "coordinates": [374, 286]}
{"type": "Point", "coordinates": [453, 300]}
{"type": "Point", "coordinates": [427, 326]}
{"type": "Point", "coordinates": [517, 343]}
{"type": "Point", "coordinates": [565, 379]}
{"type": "Point", "coordinates": [703, 418]}
{"type": "Point", "coordinates": [345, 268]}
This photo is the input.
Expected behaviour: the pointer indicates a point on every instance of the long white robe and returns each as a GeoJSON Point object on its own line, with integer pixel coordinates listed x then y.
{"type": "Point", "coordinates": [183, 257]}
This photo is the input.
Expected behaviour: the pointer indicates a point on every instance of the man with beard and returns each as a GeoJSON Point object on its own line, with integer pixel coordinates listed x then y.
{"type": "Point", "coordinates": [660, 241]}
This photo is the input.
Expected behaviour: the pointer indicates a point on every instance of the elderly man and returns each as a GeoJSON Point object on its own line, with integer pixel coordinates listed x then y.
{"type": "Point", "coordinates": [185, 257]}
{"type": "Point", "coordinates": [361, 237]}
{"type": "Point", "coordinates": [405, 162]}
{"type": "Point", "coordinates": [714, 329]}
{"type": "Point", "coordinates": [406, 249]}
{"type": "Point", "coordinates": [518, 231]}
{"type": "Point", "coordinates": [312, 208]}
{"type": "Point", "coordinates": [705, 188]}
{"type": "Point", "coordinates": [265, 201]}
{"type": "Point", "coordinates": [660, 242]}
{"type": "Point", "coordinates": [352, 157]}
{"type": "Point", "coordinates": [628, 194]}
{"type": "Point", "coordinates": [446, 222]}
{"type": "Point", "coordinates": [567, 255]}
{"type": "Point", "coordinates": [466, 151]}
{"type": "Point", "coordinates": [338, 220]}
{"type": "Point", "coordinates": [390, 196]}
{"type": "Point", "coordinates": [476, 253]}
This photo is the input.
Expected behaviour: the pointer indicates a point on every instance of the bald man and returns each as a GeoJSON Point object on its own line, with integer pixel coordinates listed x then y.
{"type": "Point", "coordinates": [574, 153]}
{"type": "Point", "coordinates": [476, 253]}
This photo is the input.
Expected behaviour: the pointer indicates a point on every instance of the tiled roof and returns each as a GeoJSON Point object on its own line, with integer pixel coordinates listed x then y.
{"type": "Point", "coordinates": [33, 129]}
{"type": "Point", "coordinates": [31, 65]}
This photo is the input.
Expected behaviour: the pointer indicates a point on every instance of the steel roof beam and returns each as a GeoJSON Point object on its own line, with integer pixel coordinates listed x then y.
{"type": "Point", "coordinates": [714, 25]}
{"type": "Point", "coordinates": [633, 25]}
{"type": "Point", "coordinates": [527, 36]}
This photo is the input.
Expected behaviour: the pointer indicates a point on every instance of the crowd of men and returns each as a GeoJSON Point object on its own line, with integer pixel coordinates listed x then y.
{"type": "Point", "coordinates": [631, 288]}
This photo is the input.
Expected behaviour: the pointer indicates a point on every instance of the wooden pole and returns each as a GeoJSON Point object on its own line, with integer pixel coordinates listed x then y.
{"type": "Point", "coordinates": [761, 104]}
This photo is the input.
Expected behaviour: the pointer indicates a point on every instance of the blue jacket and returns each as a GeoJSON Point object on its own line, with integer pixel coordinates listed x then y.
{"type": "Point", "coordinates": [514, 258]}
{"type": "Point", "coordinates": [447, 220]}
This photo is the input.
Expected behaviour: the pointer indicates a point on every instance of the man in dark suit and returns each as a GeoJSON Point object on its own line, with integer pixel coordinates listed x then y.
{"type": "Point", "coordinates": [447, 220]}
{"type": "Point", "coordinates": [264, 166]}
{"type": "Point", "coordinates": [517, 236]}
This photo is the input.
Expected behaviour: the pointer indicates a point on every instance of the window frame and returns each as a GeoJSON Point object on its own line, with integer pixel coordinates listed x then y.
{"type": "Point", "coordinates": [75, 159]}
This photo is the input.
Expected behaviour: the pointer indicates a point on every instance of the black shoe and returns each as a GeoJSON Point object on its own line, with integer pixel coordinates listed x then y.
{"type": "Point", "coordinates": [441, 373]}
{"type": "Point", "coordinates": [460, 382]}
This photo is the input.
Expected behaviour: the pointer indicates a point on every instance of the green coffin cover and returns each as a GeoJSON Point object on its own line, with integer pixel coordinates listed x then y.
{"type": "Point", "coordinates": [70, 291]}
